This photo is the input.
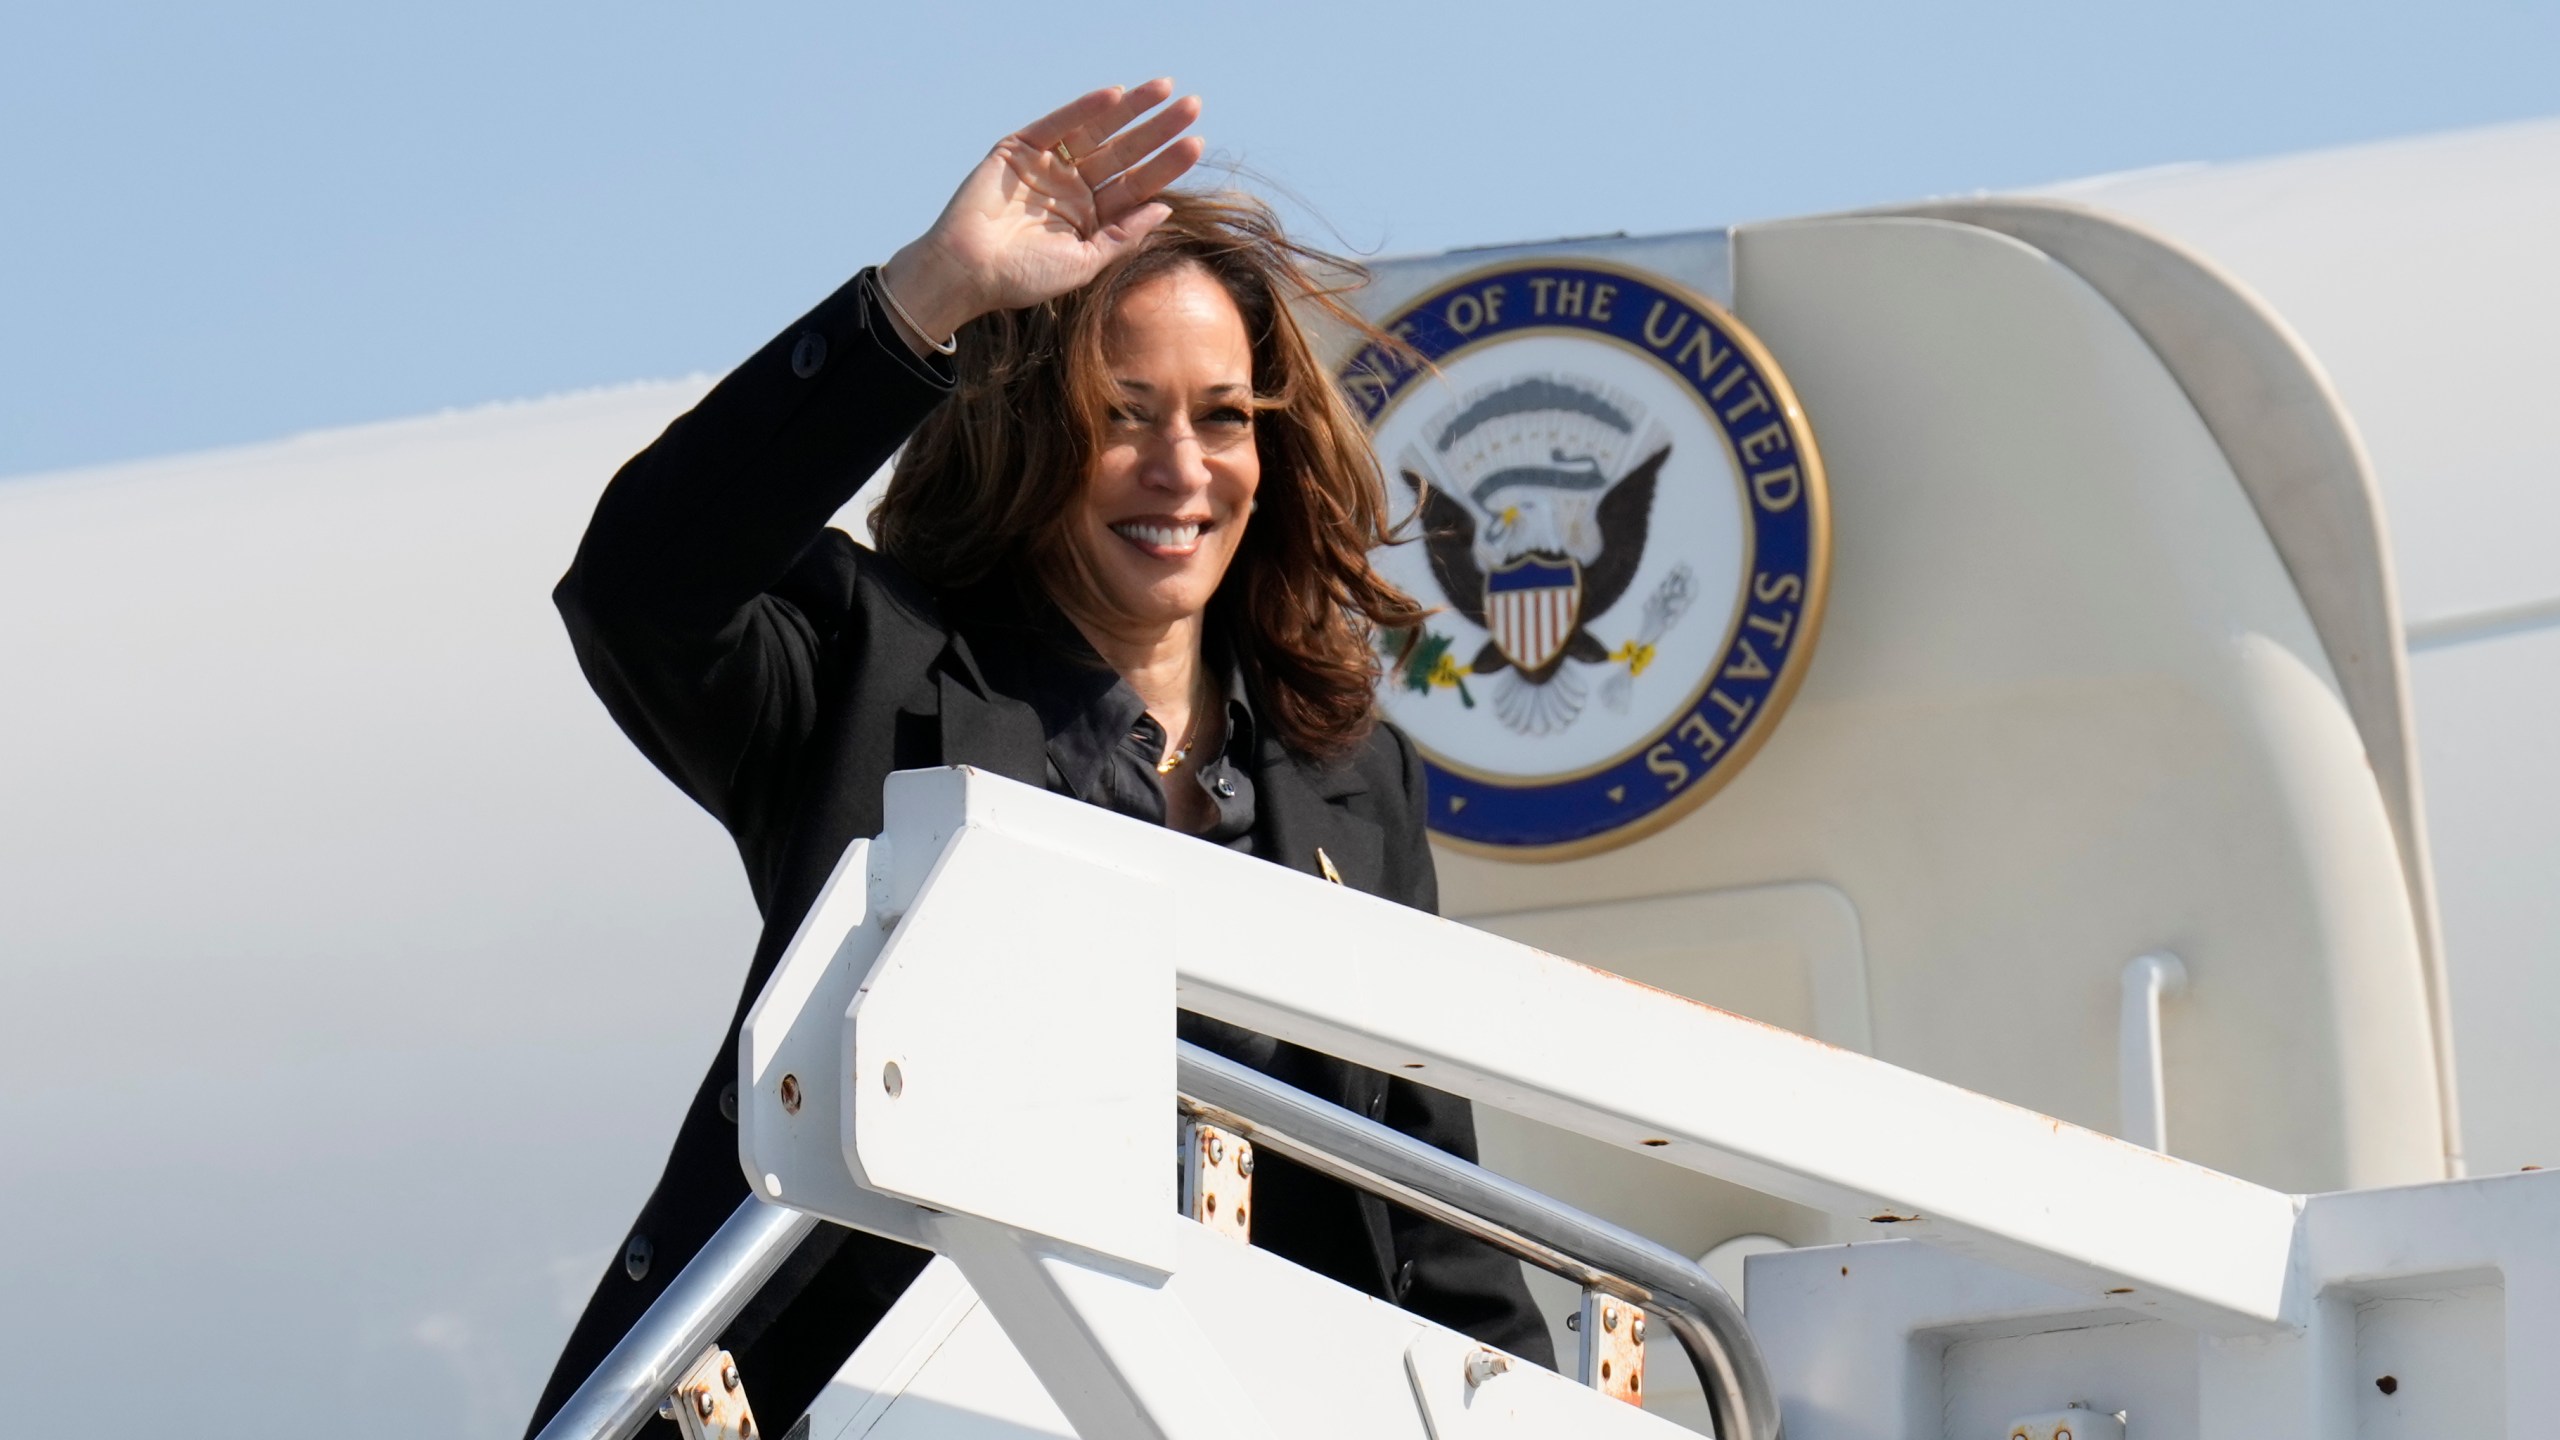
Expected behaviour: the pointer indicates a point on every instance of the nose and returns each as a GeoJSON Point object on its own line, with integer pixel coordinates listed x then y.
{"type": "Point", "coordinates": [1176, 462]}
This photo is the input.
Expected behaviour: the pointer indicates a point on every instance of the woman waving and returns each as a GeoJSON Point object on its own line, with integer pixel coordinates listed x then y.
{"type": "Point", "coordinates": [1123, 556]}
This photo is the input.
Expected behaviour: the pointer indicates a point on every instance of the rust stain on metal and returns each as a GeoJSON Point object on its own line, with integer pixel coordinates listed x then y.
{"type": "Point", "coordinates": [1889, 1218]}
{"type": "Point", "coordinates": [1655, 1144]}
{"type": "Point", "coordinates": [711, 1401]}
{"type": "Point", "coordinates": [790, 1092]}
{"type": "Point", "coordinates": [1612, 1346]}
{"type": "Point", "coordinates": [1217, 1181]}
{"type": "Point", "coordinates": [1692, 1001]}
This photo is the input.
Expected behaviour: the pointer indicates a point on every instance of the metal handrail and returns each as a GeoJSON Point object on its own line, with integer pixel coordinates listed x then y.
{"type": "Point", "coordinates": [628, 1387]}
{"type": "Point", "coordinates": [621, 1394]}
{"type": "Point", "coordinates": [1509, 1216]}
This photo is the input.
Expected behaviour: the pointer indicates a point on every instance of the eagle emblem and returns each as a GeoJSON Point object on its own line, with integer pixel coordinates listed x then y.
{"type": "Point", "coordinates": [1579, 455]}
{"type": "Point", "coordinates": [1537, 542]}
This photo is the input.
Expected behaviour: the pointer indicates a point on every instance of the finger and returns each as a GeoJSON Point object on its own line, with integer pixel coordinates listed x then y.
{"type": "Point", "coordinates": [1088, 135]}
{"type": "Point", "coordinates": [1053, 127]}
{"type": "Point", "coordinates": [1116, 239]}
{"type": "Point", "coordinates": [1124, 192]}
{"type": "Point", "coordinates": [1135, 101]}
{"type": "Point", "coordinates": [1139, 141]}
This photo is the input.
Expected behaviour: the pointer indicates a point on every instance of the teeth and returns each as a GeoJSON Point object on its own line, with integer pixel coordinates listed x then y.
{"type": "Point", "coordinates": [1170, 537]}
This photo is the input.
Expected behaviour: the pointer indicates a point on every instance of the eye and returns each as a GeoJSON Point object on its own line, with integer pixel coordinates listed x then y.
{"type": "Point", "coordinates": [1127, 417]}
{"type": "Point", "coordinates": [1228, 415]}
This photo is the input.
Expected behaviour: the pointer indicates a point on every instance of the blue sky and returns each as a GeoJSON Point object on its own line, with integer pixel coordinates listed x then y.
{"type": "Point", "coordinates": [225, 223]}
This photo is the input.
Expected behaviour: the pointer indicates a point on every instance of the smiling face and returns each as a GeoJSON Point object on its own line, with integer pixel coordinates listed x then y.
{"type": "Point", "coordinates": [1164, 512]}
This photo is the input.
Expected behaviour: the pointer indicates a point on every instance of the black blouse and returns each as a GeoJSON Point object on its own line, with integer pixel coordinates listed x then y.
{"type": "Point", "coordinates": [1103, 745]}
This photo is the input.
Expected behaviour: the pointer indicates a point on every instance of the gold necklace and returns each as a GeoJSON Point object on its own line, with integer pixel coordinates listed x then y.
{"type": "Point", "coordinates": [1180, 753]}
{"type": "Point", "coordinates": [1173, 761]}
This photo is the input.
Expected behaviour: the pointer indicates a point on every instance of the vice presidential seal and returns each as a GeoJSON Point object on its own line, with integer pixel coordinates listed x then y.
{"type": "Point", "coordinates": [1622, 519]}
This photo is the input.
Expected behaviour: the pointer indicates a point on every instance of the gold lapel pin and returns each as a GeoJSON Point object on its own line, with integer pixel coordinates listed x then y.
{"type": "Point", "coordinates": [1324, 866]}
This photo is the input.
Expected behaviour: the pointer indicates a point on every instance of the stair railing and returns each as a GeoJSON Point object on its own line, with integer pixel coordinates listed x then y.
{"type": "Point", "coordinates": [636, 1378]}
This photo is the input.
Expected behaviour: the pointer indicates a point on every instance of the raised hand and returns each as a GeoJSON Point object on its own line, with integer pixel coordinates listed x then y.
{"type": "Point", "coordinates": [1051, 205]}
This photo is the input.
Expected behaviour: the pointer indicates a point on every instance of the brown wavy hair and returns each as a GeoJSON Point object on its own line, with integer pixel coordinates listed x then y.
{"type": "Point", "coordinates": [986, 486]}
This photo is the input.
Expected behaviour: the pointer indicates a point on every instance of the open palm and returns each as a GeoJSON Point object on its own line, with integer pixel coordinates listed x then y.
{"type": "Point", "coordinates": [1027, 224]}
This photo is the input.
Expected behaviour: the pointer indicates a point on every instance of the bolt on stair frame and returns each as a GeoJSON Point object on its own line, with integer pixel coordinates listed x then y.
{"type": "Point", "coordinates": [1612, 1335]}
{"type": "Point", "coordinates": [641, 1371]}
{"type": "Point", "coordinates": [1217, 1178]}
{"type": "Point", "coordinates": [710, 1402]}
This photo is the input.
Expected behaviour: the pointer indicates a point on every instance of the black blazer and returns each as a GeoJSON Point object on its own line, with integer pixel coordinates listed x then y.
{"type": "Point", "coordinates": [778, 672]}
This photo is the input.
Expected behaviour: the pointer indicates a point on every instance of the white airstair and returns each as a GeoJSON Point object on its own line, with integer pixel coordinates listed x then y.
{"type": "Point", "coordinates": [970, 1047]}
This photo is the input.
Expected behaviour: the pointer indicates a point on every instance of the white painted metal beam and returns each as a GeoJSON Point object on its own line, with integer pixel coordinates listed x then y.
{"type": "Point", "coordinates": [1692, 1085]}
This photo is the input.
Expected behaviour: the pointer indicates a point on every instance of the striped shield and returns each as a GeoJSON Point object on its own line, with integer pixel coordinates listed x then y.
{"type": "Point", "coordinates": [1531, 605]}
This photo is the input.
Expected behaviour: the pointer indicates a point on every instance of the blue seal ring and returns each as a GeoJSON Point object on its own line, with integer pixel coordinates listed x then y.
{"type": "Point", "coordinates": [1740, 698]}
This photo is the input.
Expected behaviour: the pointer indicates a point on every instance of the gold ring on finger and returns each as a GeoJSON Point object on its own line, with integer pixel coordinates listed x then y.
{"type": "Point", "coordinates": [1062, 152]}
